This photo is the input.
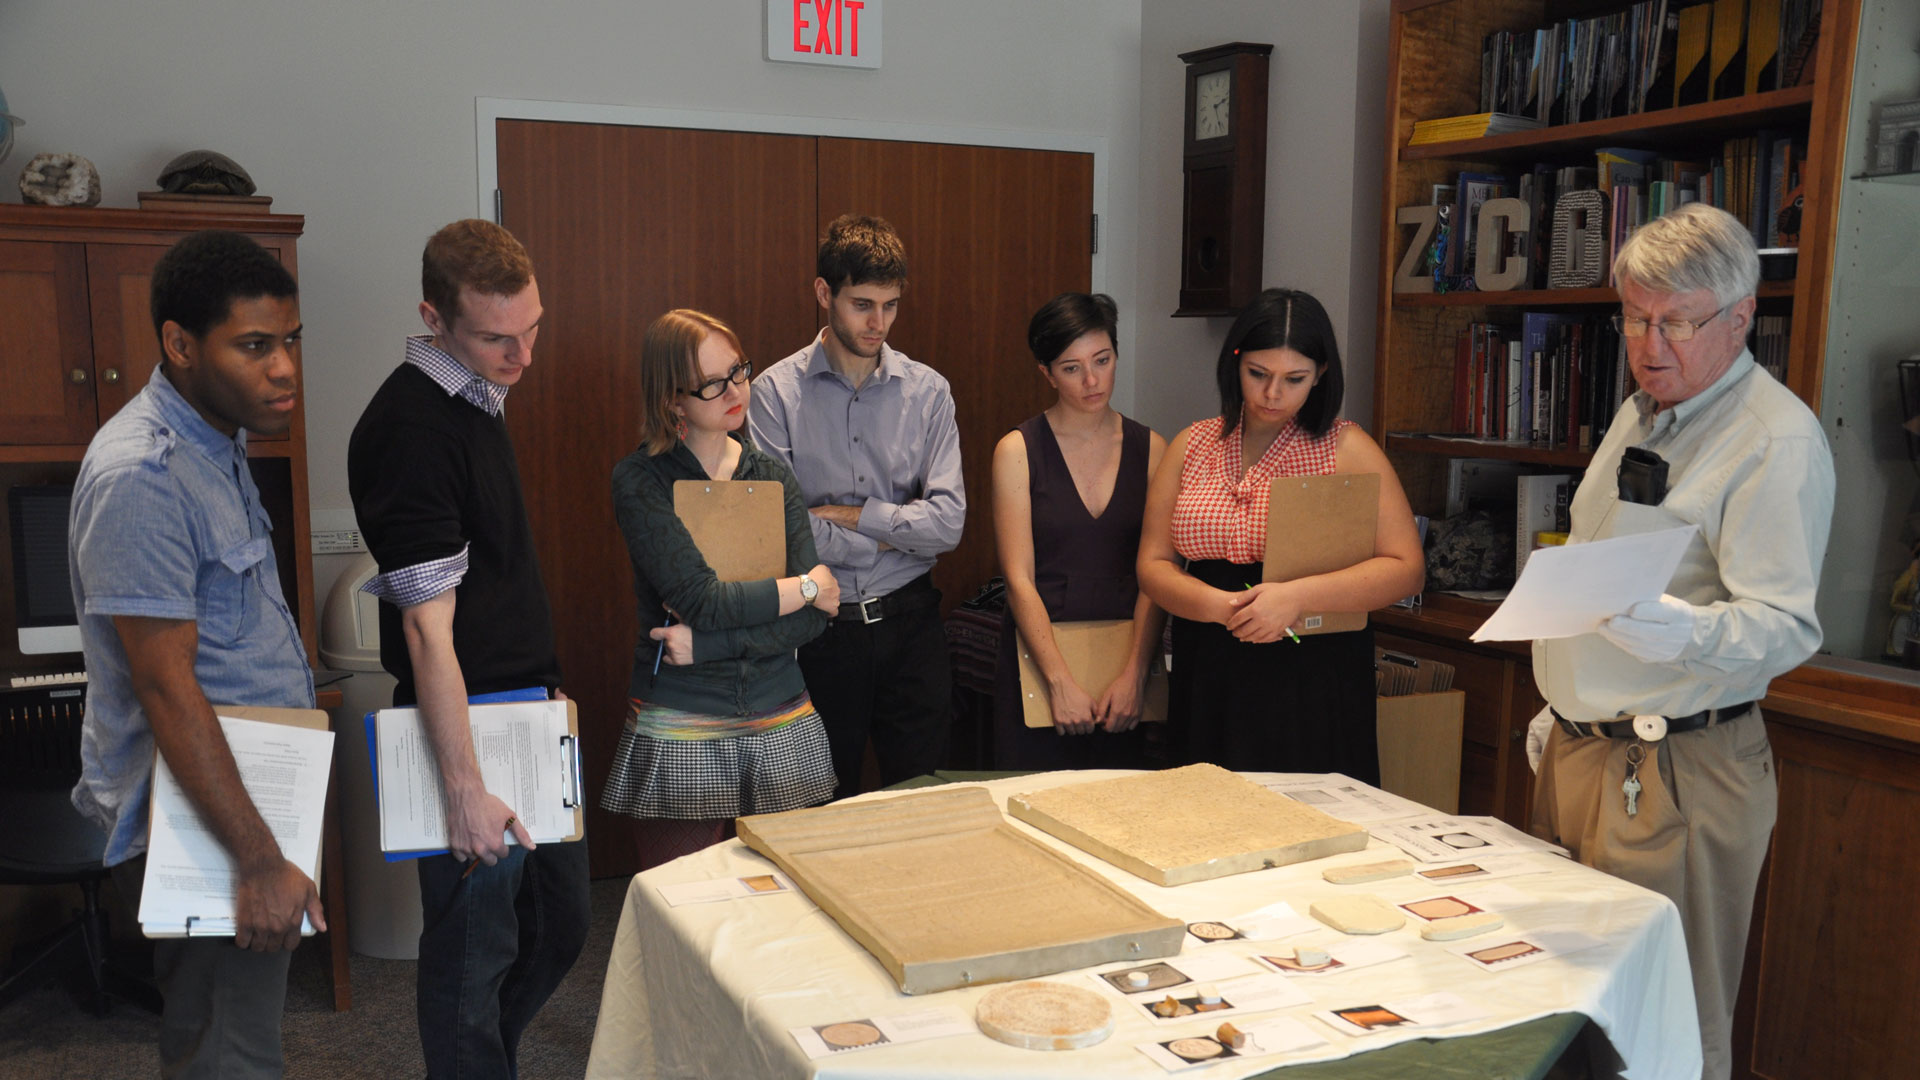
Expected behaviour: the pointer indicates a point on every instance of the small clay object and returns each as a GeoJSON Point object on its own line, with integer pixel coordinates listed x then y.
{"type": "Point", "coordinates": [1196, 1049]}
{"type": "Point", "coordinates": [1231, 1036]}
{"type": "Point", "coordinates": [1365, 872]}
{"type": "Point", "coordinates": [1461, 926]}
{"type": "Point", "coordinates": [1040, 1015]}
{"type": "Point", "coordinates": [204, 172]}
{"type": "Point", "coordinates": [1138, 979]}
{"type": "Point", "coordinates": [1310, 956]}
{"type": "Point", "coordinates": [1170, 1007]}
{"type": "Point", "coordinates": [1212, 931]}
{"type": "Point", "coordinates": [1362, 914]}
{"type": "Point", "coordinates": [1208, 994]}
{"type": "Point", "coordinates": [60, 180]}
{"type": "Point", "coordinates": [850, 1034]}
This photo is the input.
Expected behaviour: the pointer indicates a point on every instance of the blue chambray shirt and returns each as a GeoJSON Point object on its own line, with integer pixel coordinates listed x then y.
{"type": "Point", "coordinates": [167, 523]}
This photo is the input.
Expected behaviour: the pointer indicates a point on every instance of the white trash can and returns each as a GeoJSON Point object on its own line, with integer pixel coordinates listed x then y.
{"type": "Point", "coordinates": [383, 898]}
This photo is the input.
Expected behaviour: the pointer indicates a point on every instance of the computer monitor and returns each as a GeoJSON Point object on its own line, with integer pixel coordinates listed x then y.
{"type": "Point", "coordinates": [42, 583]}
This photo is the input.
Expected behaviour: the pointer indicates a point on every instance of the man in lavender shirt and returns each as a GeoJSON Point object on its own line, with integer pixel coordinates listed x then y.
{"type": "Point", "coordinates": [870, 435]}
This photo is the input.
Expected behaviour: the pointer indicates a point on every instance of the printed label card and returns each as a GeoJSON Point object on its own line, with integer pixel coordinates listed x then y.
{"type": "Point", "coordinates": [1254, 993]}
{"type": "Point", "coordinates": [1270, 923]}
{"type": "Point", "coordinates": [1483, 869]}
{"type": "Point", "coordinates": [865, 1033]}
{"type": "Point", "coordinates": [734, 888]}
{"type": "Point", "coordinates": [1163, 975]}
{"type": "Point", "coordinates": [1341, 956]}
{"type": "Point", "coordinates": [1430, 1011]}
{"type": "Point", "coordinates": [1506, 952]}
{"type": "Point", "coordinates": [1280, 1036]}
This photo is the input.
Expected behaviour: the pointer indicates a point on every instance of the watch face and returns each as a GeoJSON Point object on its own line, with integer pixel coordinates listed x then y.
{"type": "Point", "coordinates": [1212, 97]}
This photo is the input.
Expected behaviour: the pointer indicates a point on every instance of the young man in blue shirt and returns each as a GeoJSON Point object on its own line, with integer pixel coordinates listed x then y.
{"type": "Point", "coordinates": [180, 605]}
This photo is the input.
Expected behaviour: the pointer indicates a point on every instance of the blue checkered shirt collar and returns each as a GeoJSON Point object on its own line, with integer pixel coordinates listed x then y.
{"type": "Point", "coordinates": [453, 376]}
{"type": "Point", "coordinates": [176, 411]}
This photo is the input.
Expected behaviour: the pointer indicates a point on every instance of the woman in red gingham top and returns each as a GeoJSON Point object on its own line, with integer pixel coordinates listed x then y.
{"type": "Point", "coordinates": [1246, 695]}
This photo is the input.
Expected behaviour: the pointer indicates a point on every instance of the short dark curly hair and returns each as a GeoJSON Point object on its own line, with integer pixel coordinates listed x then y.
{"type": "Point", "coordinates": [861, 250]}
{"type": "Point", "coordinates": [196, 282]}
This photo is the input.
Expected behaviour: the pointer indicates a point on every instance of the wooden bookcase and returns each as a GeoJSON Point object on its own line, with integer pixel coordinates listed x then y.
{"type": "Point", "coordinates": [1818, 997]}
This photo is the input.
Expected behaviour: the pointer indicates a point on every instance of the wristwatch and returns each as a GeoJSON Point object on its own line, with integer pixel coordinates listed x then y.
{"type": "Point", "coordinates": [809, 590]}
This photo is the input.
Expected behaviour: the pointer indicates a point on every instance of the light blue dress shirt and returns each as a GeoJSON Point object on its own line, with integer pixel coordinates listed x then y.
{"type": "Point", "coordinates": [167, 523]}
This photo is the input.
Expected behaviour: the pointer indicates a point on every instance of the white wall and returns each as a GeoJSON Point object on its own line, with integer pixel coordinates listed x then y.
{"type": "Point", "coordinates": [1325, 156]}
{"type": "Point", "coordinates": [360, 115]}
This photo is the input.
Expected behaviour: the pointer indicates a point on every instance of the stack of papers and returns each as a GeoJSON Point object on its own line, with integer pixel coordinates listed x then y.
{"type": "Point", "coordinates": [1450, 128]}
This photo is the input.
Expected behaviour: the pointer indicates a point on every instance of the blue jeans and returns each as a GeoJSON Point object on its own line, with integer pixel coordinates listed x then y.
{"type": "Point", "coordinates": [495, 945]}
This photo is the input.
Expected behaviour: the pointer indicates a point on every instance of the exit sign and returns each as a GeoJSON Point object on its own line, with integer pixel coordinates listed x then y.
{"type": "Point", "coordinates": [843, 33]}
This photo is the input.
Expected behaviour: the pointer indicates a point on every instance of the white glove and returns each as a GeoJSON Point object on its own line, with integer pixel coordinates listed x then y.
{"type": "Point", "coordinates": [1656, 631]}
{"type": "Point", "coordinates": [1537, 731]}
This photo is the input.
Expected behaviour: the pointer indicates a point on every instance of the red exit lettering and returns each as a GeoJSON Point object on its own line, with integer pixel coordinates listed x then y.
{"type": "Point", "coordinates": [839, 27]}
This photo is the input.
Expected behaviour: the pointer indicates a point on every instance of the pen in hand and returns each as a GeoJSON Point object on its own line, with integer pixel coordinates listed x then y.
{"type": "Point", "coordinates": [661, 650]}
{"type": "Point", "coordinates": [1290, 633]}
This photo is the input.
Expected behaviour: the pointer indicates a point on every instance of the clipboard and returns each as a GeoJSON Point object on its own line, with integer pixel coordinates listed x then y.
{"type": "Point", "coordinates": [1319, 524]}
{"type": "Point", "coordinates": [573, 779]}
{"type": "Point", "coordinates": [311, 720]}
{"type": "Point", "coordinates": [1095, 651]}
{"type": "Point", "coordinates": [740, 526]}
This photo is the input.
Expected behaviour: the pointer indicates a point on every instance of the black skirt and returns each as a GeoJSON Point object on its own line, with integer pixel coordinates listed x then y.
{"type": "Point", "coordinates": [1278, 707]}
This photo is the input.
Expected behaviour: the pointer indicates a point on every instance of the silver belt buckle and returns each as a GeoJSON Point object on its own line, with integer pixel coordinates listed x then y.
{"type": "Point", "coordinates": [866, 616]}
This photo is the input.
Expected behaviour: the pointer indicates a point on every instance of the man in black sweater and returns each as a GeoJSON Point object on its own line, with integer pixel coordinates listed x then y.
{"type": "Point", "coordinates": [437, 494]}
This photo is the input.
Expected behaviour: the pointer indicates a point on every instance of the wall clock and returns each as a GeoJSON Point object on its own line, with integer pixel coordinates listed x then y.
{"type": "Point", "coordinates": [1223, 203]}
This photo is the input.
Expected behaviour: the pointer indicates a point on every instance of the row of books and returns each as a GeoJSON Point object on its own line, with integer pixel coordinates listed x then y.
{"type": "Point", "coordinates": [1650, 55]}
{"type": "Point", "coordinates": [1754, 178]}
{"type": "Point", "coordinates": [1555, 380]}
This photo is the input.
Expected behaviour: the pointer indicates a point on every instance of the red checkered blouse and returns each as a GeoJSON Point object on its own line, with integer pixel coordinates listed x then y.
{"type": "Point", "coordinates": [1221, 515]}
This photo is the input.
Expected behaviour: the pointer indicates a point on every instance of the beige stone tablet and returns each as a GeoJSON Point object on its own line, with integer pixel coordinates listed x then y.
{"type": "Point", "coordinates": [1363, 914]}
{"type": "Point", "coordinates": [1461, 926]}
{"type": "Point", "coordinates": [1045, 1016]}
{"type": "Point", "coordinates": [1189, 824]}
{"type": "Point", "coordinates": [1364, 872]}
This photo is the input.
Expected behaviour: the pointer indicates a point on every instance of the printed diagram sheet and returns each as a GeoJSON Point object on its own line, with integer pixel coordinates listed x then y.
{"type": "Point", "coordinates": [1570, 590]}
{"type": "Point", "coordinates": [524, 759]}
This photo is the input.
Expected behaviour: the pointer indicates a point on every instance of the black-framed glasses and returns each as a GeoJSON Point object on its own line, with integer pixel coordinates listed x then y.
{"type": "Point", "coordinates": [1674, 330]}
{"type": "Point", "coordinates": [738, 375]}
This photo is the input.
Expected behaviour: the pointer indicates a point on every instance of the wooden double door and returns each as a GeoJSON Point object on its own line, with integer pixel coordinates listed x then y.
{"type": "Point", "coordinates": [624, 223]}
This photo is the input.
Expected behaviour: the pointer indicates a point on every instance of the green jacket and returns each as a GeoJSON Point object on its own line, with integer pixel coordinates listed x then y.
{"type": "Point", "coordinates": [743, 660]}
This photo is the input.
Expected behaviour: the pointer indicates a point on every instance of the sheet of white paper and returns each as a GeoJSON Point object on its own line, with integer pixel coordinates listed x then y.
{"type": "Point", "coordinates": [1270, 923]}
{"type": "Point", "coordinates": [865, 1033]}
{"type": "Point", "coordinates": [1449, 839]}
{"type": "Point", "coordinates": [1429, 1011]}
{"type": "Point", "coordinates": [1571, 589]}
{"type": "Point", "coordinates": [1253, 993]}
{"type": "Point", "coordinates": [1279, 1036]}
{"type": "Point", "coordinates": [1343, 955]}
{"type": "Point", "coordinates": [521, 761]}
{"type": "Point", "coordinates": [189, 874]}
{"type": "Point", "coordinates": [1499, 952]}
{"type": "Point", "coordinates": [1483, 869]}
{"type": "Point", "coordinates": [735, 888]}
{"type": "Point", "coordinates": [1341, 796]}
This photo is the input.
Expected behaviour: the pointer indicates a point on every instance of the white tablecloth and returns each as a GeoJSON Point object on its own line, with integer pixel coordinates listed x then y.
{"type": "Point", "coordinates": [710, 990]}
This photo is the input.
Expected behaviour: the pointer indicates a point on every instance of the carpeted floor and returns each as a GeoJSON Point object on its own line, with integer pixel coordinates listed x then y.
{"type": "Point", "coordinates": [47, 1036]}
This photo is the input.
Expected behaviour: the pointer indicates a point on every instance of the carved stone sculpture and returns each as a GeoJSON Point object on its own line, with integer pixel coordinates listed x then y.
{"type": "Point", "coordinates": [60, 180]}
{"type": "Point", "coordinates": [205, 172]}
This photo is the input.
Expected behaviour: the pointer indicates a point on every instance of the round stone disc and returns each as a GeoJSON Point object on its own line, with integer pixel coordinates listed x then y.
{"type": "Point", "coordinates": [1045, 1016]}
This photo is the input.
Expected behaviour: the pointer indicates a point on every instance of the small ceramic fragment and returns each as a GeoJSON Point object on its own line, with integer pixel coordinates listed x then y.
{"type": "Point", "coordinates": [1231, 1036]}
{"type": "Point", "coordinates": [1363, 914]}
{"type": "Point", "coordinates": [1365, 872]}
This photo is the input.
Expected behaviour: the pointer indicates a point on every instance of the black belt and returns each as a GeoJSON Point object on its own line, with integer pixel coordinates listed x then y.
{"type": "Point", "coordinates": [915, 595]}
{"type": "Point", "coordinates": [1623, 729]}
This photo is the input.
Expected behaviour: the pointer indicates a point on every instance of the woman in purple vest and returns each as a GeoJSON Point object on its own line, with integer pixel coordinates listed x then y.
{"type": "Point", "coordinates": [1069, 488]}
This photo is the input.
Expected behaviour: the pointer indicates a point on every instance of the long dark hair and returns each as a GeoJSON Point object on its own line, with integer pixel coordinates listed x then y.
{"type": "Point", "coordinates": [1283, 319]}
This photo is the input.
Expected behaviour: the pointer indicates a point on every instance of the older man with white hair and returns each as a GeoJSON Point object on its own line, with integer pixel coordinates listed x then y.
{"type": "Point", "coordinates": [1656, 765]}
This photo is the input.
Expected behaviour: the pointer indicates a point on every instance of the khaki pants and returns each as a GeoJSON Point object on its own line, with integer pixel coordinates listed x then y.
{"type": "Point", "coordinates": [1706, 811]}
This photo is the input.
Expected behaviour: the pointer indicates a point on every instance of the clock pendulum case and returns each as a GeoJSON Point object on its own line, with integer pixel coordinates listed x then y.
{"type": "Point", "coordinates": [1224, 199]}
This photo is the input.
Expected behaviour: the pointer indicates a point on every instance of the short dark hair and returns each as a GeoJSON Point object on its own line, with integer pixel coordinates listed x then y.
{"type": "Point", "coordinates": [475, 254]}
{"type": "Point", "coordinates": [1066, 318]}
{"type": "Point", "coordinates": [1283, 319]}
{"type": "Point", "coordinates": [196, 282]}
{"type": "Point", "coordinates": [861, 250]}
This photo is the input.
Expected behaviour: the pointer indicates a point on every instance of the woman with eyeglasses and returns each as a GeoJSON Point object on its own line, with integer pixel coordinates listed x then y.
{"type": "Point", "coordinates": [718, 720]}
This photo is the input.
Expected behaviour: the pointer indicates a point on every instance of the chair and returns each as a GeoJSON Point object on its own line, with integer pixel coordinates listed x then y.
{"type": "Point", "coordinates": [45, 841]}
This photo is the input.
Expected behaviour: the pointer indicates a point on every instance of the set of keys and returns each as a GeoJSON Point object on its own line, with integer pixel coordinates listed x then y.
{"type": "Point", "coordinates": [1650, 728]}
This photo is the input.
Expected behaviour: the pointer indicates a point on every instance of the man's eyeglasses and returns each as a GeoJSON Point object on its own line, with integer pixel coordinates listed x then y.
{"type": "Point", "coordinates": [713, 388]}
{"type": "Point", "coordinates": [1674, 330]}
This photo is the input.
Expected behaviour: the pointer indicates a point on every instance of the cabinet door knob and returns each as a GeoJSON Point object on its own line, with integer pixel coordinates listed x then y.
{"type": "Point", "coordinates": [78, 376]}
{"type": "Point", "coordinates": [111, 375]}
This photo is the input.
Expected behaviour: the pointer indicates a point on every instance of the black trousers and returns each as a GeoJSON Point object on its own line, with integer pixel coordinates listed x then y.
{"type": "Point", "coordinates": [892, 681]}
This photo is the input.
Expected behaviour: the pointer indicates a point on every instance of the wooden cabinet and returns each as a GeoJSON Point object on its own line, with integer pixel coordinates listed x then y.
{"type": "Point", "coordinates": [77, 342]}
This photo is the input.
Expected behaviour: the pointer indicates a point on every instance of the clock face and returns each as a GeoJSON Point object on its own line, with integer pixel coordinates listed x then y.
{"type": "Point", "coordinates": [1212, 97]}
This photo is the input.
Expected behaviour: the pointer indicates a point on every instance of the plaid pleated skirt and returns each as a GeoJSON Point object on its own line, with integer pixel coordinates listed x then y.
{"type": "Point", "coordinates": [780, 763]}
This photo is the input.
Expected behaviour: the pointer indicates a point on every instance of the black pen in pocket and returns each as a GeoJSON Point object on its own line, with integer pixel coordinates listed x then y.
{"type": "Point", "coordinates": [661, 650]}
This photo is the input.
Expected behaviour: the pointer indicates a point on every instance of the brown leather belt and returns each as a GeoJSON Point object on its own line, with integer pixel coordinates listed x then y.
{"type": "Point", "coordinates": [1623, 729]}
